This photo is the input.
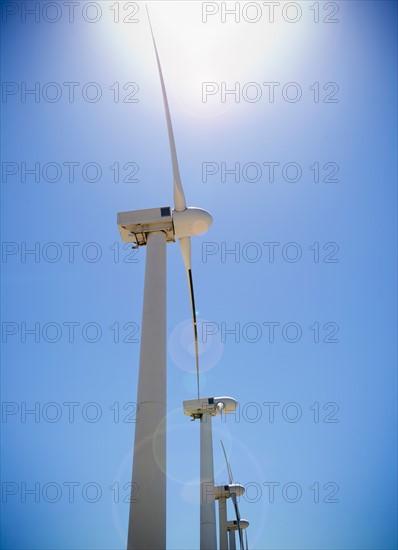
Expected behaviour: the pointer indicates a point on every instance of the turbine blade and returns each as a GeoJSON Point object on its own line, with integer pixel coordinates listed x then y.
{"type": "Point", "coordinates": [235, 501]}
{"type": "Point", "coordinates": [179, 197]}
{"type": "Point", "coordinates": [227, 463]}
{"type": "Point", "coordinates": [185, 245]}
{"type": "Point", "coordinates": [247, 544]}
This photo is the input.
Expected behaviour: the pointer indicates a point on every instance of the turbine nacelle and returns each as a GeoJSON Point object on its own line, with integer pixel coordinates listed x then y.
{"type": "Point", "coordinates": [232, 525]}
{"type": "Point", "coordinates": [135, 225]}
{"type": "Point", "coordinates": [226, 491]}
{"type": "Point", "coordinates": [190, 222]}
{"type": "Point", "coordinates": [209, 405]}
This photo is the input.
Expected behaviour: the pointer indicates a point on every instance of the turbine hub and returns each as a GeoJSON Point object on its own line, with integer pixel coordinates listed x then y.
{"type": "Point", "coordinates": [191, 221]}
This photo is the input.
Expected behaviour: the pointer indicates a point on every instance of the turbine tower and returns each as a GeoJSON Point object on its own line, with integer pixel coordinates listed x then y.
{"type": "Point", "coordinates": [154, 228]}
{"type": "Point", "coordinates": [204, 409]}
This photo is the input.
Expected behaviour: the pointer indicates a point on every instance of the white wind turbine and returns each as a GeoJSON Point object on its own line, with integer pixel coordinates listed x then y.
{"type": "Point", "coordinates": [204, 409]}
{"type": "Point", "coordinates": [232, 527]}
{"type": "Point", "coordinates": [222, 493]}
{"type": "Point", "coordinates": [154, 228]}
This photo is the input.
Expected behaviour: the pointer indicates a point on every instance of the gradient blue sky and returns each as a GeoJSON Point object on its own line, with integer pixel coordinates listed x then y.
{"type": "Point", "coordinates": [357, 453]}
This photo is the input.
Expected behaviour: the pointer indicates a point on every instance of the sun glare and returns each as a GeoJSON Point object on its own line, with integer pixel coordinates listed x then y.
{"type": "Point", "coordinates": [195, 51]}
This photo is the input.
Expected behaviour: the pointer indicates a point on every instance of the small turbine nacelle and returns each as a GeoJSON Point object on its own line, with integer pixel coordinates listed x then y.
{"type": "Point", "coordinates": [233, 524]}
{"type": "Point", "coordinates": [225, 491]}
{"type": "Point", "coordinates": [191, 221]}
{"type": "Point", "coordinates": [209, 405]}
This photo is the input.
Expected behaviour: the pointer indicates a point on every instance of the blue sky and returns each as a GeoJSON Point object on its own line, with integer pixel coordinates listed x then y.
{"type": "Point", "coordinates": [331, 284]}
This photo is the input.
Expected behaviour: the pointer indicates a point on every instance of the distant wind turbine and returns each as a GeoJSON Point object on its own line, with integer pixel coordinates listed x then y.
{"type": "Point", "coordinates": [204, 409]}
{"type": "Point", "coordinates": [154, 228]}
{"type": "Point", "coordinates": [223, 492]}
{"type": "Point", "coordinates": [232, 527]}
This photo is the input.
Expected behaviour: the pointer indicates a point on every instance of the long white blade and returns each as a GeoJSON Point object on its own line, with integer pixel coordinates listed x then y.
{"type": "Point", "coordinates": [247, 544]}
{"type": "Point", "coordinates": [179, 197]}
{"type": "Point", "coordinates": [227, 463]}
{"type": "Point", "coordinates": [185, 244]}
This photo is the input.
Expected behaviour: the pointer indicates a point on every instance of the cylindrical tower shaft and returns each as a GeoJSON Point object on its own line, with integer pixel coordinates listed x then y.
{"type": "Point", "coordinates": [208, 533]}
{"type": "Point", "coordinates": [147, 521]}
{"type": "Point", "coordinates": [222, 520]}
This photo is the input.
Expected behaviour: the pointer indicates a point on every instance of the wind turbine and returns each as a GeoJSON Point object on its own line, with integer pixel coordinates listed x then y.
{"type": "Point", "coordinates": [154, 228]}
{"type": "Point", "coordinates": [223, 492]}
{"type": "Point", "coordinates": [232, 527]}
{"type": "Point", "coordinates": [204, 409]}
